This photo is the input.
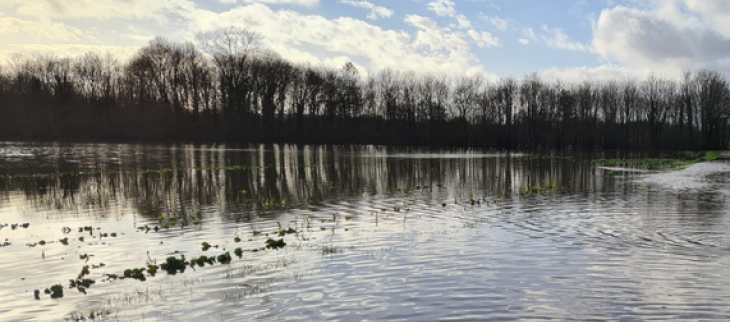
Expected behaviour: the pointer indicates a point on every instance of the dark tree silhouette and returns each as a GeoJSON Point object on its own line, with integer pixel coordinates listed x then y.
{"type": "Point", "coordinates": [234, 89]}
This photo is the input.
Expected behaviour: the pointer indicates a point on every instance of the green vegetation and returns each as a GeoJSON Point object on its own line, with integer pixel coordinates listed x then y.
{"type": "Point", "coordinates": [275, 244]}
{"type": "Point", "coordinates": [152, 269]}
{"type": "Point", "coordinates": [329, 250]}
{"type": "Point", "coordinates": [135, 273]}
{"type": "Point", "coordinates": [669, 164]}
{"type": "Point", "coordinates": [84, 270]}
{"type": "Point", "coordinates": [56, 291]}
{"type": "Point", "coordinates": [81, 284]}
{"type": "Point", "coordinates": [224, 258]}
{"type": "Point", "coordinates": [202, 260]}
{"type": "Point", "coordinates": [172, 265]}
{"type": "Point", "coordinates": [288, 231]}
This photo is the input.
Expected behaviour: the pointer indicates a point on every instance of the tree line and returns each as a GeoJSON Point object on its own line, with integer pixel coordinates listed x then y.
{"type": "Point", "coordinates": [229, 88]}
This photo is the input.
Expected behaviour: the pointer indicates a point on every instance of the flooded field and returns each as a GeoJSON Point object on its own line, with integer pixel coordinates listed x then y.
{"type": "Point", "coordinates": [309, 233]}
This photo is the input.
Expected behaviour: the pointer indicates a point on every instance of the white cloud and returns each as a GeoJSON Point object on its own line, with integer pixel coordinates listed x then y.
{"type": "Point", "coordinates": [307, 3]}
{"type": "Point", "coordinates": [23, 29]}
{"type": "Point", "coordinates": [715, 13]}
{"type": "Point", "coordinates": [556, 38]}
{"type": "Point", "coordinates": [434, 37]}
{"type": "Point", "coordinates": [661, 40]}
{"type": "Point", "coordinates": [443, 7]}
{"type": "Point", "coordinates": [499, 23]}
{"type": "Point", "coordinates": [463, 21]}
{"type": "Point", "coordinates": [430, 49]}
{"type": "Point", "coordinates": [137, 37]}
{"type": "Point", "coordinates": [484, 39]}
{"type": "Point", "coordinates": [69, 50]}
{"type": "Point", "coordinates": [600, 73]}
{"type": "Point", "coordinates": [375, 11]}
{"type": "Point", "coordinates": [447, 8]}
{"type": "Point", "coordinates": [524, 41]}
{"type": "Point", "coordinates": [94, 9]}
{"type": "Point", "coordinates": [530, 33]}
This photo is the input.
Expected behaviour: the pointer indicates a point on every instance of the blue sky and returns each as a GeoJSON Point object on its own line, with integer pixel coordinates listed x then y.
{"type": "Point", "coordinates": [559, 39]}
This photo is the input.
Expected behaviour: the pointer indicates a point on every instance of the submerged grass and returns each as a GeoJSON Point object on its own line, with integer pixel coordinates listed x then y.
{"type": "Point", "coordinates": [665, 164]}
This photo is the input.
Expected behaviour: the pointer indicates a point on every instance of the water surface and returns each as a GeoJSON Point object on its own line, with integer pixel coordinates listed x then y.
{"type": "Point", "coordinates": [382, 234]}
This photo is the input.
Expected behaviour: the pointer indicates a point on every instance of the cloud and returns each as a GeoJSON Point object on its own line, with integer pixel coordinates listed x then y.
{"type": "Point", "coordinates": [499, 23]}
{"type": "Point", "coordinates": [434, 37]}
{"type": "Point", "coordinates": [524, 41]}
{"type": "Point", "coordinates": [24, 29]}
{"type": "Point", "coordinates": [484, 39]}
{"type": "Point", "coordinates": [600, 73]}
{"type": "Point", "coordinates": [429, 49]}
{"type": "Point", "coordinates": [93, 9]}
{"type": "Point", "coordinates": [137, 37]}
{"type": "Point", "coordinates": [715, 13]}
{"type": "Point", "coordinates": [69, 50]}
{"type": "Point", "coordinates": [375, 11]}
{"type": "Point", "coordinates": [661, 39]}
{"type": "Point", "coordinates": [447, 8]}
{"type": "Point", "coordinates": [443, 7]}
{"type": "Point", "coordinates": [556, 38]}
{"type": "Point", "coordinates": [530, 34]}
{"type": "Point", "coordinates": [307, 3]}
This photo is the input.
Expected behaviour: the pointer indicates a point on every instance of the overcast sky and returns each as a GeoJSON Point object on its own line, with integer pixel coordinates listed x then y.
{"type": "Point", "coordinates": [567, 39]}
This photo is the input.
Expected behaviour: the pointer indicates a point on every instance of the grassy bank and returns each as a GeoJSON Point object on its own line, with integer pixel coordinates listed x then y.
{"type": "Point", "coordinates": [665, 164]}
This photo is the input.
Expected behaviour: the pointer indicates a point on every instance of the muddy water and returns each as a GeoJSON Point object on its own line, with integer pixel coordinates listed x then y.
{"type": "Point", "coordinates": [381, 234]}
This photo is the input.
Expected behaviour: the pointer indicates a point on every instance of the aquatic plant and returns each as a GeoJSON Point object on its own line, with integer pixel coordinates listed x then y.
{"type": "Point", "coordinates": [172, 265]}
{"type": "Point", "coordinates": [206, 246]}
{"type": "Point", "coordinates": [275, 244]}
{"type": "Point", "coordinates": [90, 316]}
{"type": "Point", "coordinates": [237, 239]}
{"type": "Point", "coordinates": [81, 284]}
{"type": "Point", "coordinates": [152, 269]}
{"type": "Point", "coordinates": [56, 291]}
{"type": "Point", "coordinates": [135, 273]}
{"type": "Point", "coordinates": [670, 164]}
{"type": "Point", "coordinates": [238, 252]}
{"type": "Point", "coordinates": [84, 271]}
{"type": "Point", "coordinates": [224, 258]}
{"type": "Point", "coordinates": [145, 228]}
{"type": "Point", "coordinates": [288, 231]}
{"type": "Point", "coordinates": [202, 260]}
{"type": "Point", "coordinates": [328, 250]}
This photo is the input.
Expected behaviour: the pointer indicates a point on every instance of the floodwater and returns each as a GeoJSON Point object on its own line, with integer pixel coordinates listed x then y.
{"type": "Point", "coordinates": [380, 234]}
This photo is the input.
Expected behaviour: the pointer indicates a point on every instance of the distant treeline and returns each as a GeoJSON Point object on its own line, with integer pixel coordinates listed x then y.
{"type": "Point", "coordinates": [227, 88]}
